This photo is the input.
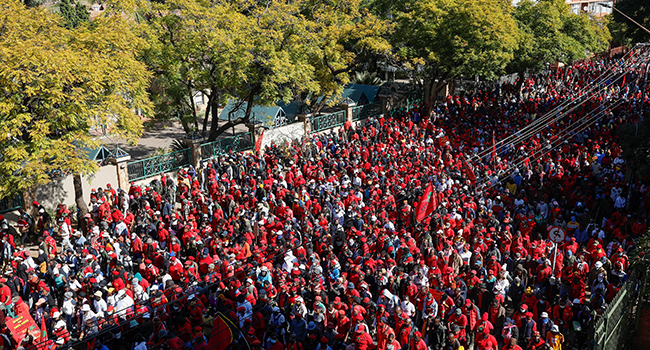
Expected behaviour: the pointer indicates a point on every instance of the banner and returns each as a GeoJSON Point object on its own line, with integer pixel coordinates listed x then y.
{"type": "Point", "coordinates": [494, 149]}
{"type": "Point", "coordinates": [223, 333]}
{"type": "Point", "coordinates": [427, 204]}
{"type": "Point", "coordinates": [21, 323]}
{"type": "Point", "coordinates": [469, 172]}
{"type": "Point", "coordinates": [258, 143]}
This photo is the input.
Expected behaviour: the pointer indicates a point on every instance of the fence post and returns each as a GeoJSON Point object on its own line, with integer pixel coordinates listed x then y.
{"type": "Point", "coordinates": [122, 171]}
{"type": "Point", "coordinates": [256, 132]}
{"type": "Point", "coordinates": [195, 150]}
{"type": "Point", "coordinates": [348, 106]}
{"type": "Point", "coordinates": [305, 122]}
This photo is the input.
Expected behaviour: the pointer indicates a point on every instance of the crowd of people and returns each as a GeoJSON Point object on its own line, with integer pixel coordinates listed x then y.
{"type": "Point", "coordinates": [315, 245]}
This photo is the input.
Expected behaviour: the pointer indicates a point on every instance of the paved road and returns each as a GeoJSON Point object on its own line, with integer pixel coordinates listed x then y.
{"type": "Point", "coordinates": [160, 136]}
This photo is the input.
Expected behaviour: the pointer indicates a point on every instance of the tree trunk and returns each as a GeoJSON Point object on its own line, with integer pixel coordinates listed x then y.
{"type": "Point", "coordinates": [79, 200]}
{"type": "Point", "coordinates": [28, 198]}
{"type": "Point", "coordinates": [224, 127]}
{"type": "Point", "coordinates": [183, 121]}
{"type": "Point", "coordinates": [215, 121]}
{"type": "Point", "coordinates": [207, 113]}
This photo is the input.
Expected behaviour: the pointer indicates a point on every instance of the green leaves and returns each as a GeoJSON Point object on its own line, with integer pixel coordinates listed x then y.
{"type": "Point", "coordinates": [55, 85]}
{"type": "Point", "coordinates": [623, 30]}
{"type": "Point", "coordinates": [457, 37]}
{"type": "Point", "coordinates": [74, 14]}
{"type": "Point", "coordinates": [260, 52]}
{"type": "Point", "coordinates": [554, 34]}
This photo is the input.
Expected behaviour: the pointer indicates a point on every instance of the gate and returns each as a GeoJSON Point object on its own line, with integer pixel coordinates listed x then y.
{"type": "Point", "coordinates": [612, 330]}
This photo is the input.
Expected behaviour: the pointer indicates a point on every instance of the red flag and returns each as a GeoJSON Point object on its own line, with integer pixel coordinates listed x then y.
{"type": "Point", "coordinates": [470, 173]}
{"type": "Point", "coordinates": [258, 143]}
{"type": "Point", "coordinates": [44, 344]}
{"type": "Point", "coordinates": [425, 206]}
{"type": "Point", "coordinates": [624, 76]}
{"type": "Point", "coordinates": [494, 148]}
{"type": "Point", "coordinates": [222, 334]}
{"type": "Point", "coordinates": [433, 204]}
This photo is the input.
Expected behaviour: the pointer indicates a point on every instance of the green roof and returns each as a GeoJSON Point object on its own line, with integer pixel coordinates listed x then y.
{"type": "Point", "coordinates": [259, 114]}
{"type": "Point", "coordinates": [360, 94]}
{"type": "Point", "coordinates": [98, 154]}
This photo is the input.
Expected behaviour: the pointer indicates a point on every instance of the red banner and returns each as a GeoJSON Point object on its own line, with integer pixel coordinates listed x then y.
{"type": "Point", "coordinates": [469, 172]}
{"type": "Point", "coordinates": [258, 143]}
{"type": "Point", "coordinates": [222, 335]}
{"type": "Point", "coordinates": [494, 149]}
{"type": "Point", "coordinates": [427, 204]}
{"type": "Point", "coordinates": [22, 324]}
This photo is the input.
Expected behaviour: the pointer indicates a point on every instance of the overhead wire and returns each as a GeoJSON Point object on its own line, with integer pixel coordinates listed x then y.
{"type": "Point", "coordinates": [541, 122]}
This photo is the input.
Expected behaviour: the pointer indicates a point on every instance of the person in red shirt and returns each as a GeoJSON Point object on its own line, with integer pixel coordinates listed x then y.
{"type": "Point", "coordinates": [275, 343]}
{"type": "Point", "coordinates": [417, 343]}
{"type": "Point", "coordinates": [459, 320]}
{"type": "Point", "coordinates": [513, 345]}
{"type": "Point", "coordinates": [485, 340]}
{"type": "Point", "coordinates": [363, 340]}
{"type": "Point", "coordinates": [536, 342]}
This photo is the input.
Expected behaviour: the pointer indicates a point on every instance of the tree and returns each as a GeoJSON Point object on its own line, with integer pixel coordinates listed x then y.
{"type": "Point", "coordinates": [256, 52]}
{"type": "Point", "coordinates": [56, 84]}
{"type": "Point", "coordinates": [551, 33]}
{"type": "Point", "coordinates": [33, 3]}
{"type": "Point", "coordinates": [366, 78]}
{"type": "Point", "coordinates": [623, 30]}
{"type": "Point", "coordinates": [73, 14]}
{"type": "Point", "coordinates": [447, 39]}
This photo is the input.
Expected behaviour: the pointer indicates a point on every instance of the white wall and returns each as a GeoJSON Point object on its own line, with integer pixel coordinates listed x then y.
{"type": "Point", "coordinates": [61, 190]}
{"type": "Point", "coordinates": [282, 134]}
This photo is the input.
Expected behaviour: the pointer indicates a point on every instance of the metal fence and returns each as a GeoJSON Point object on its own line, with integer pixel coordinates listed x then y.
{"type": "Point", "coordinates": [142, 169]}
{"type": "Point", "coordinates": [328, 121]}
{"type": "Point", "coordinates": [612, 330]}
{"type": "Point", "coordinates": [11, 204]}
{"type": "Point", "coordinates": [414, 98]}
{"type": "Point", "coordinates": [237, 143]}
{"type": "Point", "coordinates": [365, 111]}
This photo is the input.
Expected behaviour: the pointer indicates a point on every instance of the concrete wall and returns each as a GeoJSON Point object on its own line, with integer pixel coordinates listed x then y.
{"type": "Point", "coordinates": [61, 190]}
{"type": "Point", "coordinates": [282, 134]}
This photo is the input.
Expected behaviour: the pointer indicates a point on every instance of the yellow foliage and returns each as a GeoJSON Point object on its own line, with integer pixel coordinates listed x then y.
{"type": "Point", "coordinates": [56, 84]}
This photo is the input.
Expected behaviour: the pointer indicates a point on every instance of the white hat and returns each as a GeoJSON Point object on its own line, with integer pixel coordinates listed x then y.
{"type": "Point", "coordinates": [86, 307]}
{"type": "Point", "coordinates": [598, 264]}
{"type": "Point", "coordinates": [544, 315]}
{"type": "Point", "coordinates": [555, 328]}
{"type": "Point", "coordinates": [60, 324]}
{"type": "Point", "coordinates": [56, 314]}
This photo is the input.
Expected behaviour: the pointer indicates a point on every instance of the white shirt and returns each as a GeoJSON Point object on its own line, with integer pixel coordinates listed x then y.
{"type": "Point", "coordinates": [123, 305]}
{"type": "Point", "coordinates": [68, 307]}
{"type": "Point", "coordinates": [408, 308]}
{"type": "Point", "coordinates": [100, 306]}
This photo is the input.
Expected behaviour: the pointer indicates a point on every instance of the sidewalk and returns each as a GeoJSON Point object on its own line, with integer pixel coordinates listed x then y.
{"type": "Point", "coordinates": [159, 136]}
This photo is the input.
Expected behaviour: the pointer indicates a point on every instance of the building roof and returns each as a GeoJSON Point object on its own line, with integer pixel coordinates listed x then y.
{"type": "Point", "coordinates": [259, 114]}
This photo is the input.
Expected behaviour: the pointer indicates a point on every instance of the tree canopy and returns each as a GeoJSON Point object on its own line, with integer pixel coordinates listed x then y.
{"type": "Point", "coordinates": [623, 30]}
{"type": "Point", "coordinates": [73, 13]}
{"type": "Point", "coordinates": [56, 85]}
{"type": "Point", "coordinates": [255, 52]}
{"type": "Point", "coordinates": [550, 33]}
{"type": "Point", "coordinates": [457, 37]}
